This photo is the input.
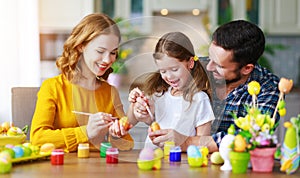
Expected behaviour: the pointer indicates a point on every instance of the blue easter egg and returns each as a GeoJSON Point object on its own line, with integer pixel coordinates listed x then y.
{"type": "Point", "coordinates": [193, 152]}
{"type": "Point", "coordinates": [19, 152]}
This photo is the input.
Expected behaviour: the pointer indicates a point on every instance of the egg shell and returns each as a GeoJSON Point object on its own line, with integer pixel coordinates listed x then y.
{"type": "Point", "coordinates": [146, 154]}
{"type": "Point", "coordinates": [195, 162]}
{"type": "Point", "coordinates": [145, 164]}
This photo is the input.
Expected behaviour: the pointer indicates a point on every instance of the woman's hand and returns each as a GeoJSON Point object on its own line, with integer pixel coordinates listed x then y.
{"type": "Point", "coordinates": [97, 127]}
{"type": "Point", "coordinates": [117, 129]}
{"type": "Point", "coordinates": [159, 137]}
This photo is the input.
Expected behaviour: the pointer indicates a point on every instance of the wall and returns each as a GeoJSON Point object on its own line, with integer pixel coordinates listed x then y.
{"type": "Point", "coordinates": [19, 49]}
{"type": "Point", "coordinates": [286, 63]}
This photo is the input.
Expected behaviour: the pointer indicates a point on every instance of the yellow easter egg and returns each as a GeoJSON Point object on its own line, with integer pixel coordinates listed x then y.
{"type": "Point", "coordinates": [253, 88]}
{"type": "Point", "coordinates": [239, 143]}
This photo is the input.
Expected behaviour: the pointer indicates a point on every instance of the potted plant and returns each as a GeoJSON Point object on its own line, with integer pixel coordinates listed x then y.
{"type": "Point", "coordinates": [239, 156]}
{"type": "Point", "coordinates": [259, 128]}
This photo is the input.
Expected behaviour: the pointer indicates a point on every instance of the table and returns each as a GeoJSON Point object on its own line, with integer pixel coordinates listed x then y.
{"type": "Point", "coordinates": [94, 166]}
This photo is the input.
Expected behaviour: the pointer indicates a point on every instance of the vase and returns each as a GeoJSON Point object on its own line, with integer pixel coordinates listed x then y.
{"type": "Point", "coordinates": [239, 161]}
{"type": "Point", "coordinates": [262, 159]}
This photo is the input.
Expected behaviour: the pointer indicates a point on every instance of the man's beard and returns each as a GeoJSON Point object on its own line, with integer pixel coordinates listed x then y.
{"type": "Point", "coordinates": [227, 82]}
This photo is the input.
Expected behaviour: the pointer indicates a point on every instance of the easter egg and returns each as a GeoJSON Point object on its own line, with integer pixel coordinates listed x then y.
{"type": "Point", "coordinates": [27, 151]}
{"type": "Point", "coordinates": [216, 158]}
{"type": "Point", "coordinates": [285, 85]}
{"type": "Point", "coordinates": [5, 155]}
{"type": "Point", "coordinates": [6, 125]}
{"type": "Point", "coordinates": [145, 164]}
{"type": "Point", "coordinates": [124, 122]}
{"type": "Point", "coordinates": [10, 151]}
{"type": "Point", "coordinates": [158, 153]}
{"type": "Point", "coordinates": [282, 112]}
{"type": "Point", "coordinates": [47, 148]}
{"type": "Point", "coordinates": [193, 151]}
{"type": "Point", "coordinates": [146, 154]}
{"type": "Point", "coordinates": [253, 88]}
{"type": "Point", "coordinates": [281, 104]}
{"type": "Point", "coordinates": [35, 150]}
{"type": "Point", "coordinates": [155, 126]}
{"type": "Point", "coordinates": [19, 151]}
{"type": "Point", "coordinates": [239, 143]}
{"type": "Point", "coordinates": [14, 131]}
{"type": "Point", "coordinates": [5, 163]}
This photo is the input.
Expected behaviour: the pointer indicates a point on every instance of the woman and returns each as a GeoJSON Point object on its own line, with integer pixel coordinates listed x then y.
{"type": "Point", "coordinates": [78, 105]}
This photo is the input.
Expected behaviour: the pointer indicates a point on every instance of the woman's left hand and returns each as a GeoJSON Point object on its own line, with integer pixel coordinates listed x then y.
{"type": "Point", "coordinates": [118, 130]}
{"type": "Point", "coordinates": [159, 137]}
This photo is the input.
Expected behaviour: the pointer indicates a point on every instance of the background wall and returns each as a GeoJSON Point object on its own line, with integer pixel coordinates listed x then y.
{"type": "Point", "coordinates": [19, 48]}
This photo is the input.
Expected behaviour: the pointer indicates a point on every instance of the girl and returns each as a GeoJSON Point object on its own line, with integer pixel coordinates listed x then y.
{"type": "Point", "coordinates": [179, 96]}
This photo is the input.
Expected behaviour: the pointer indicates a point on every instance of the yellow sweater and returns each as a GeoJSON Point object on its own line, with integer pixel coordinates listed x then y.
{"type": "Point", "coordinates": [53, 120]}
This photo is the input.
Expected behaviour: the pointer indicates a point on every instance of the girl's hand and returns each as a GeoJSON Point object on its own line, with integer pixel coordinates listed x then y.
{"type": "Point", "coordinates": [140, 110]}
{"type": "Point", "coordinates": [159, 137]}
{"type": "Point", "coordinates": [97, 127]}
{"type": "Point", "coordinates": [134, 94]}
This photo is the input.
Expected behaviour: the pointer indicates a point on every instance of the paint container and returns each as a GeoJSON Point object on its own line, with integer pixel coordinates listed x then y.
{"type": "Point", "coordinates": [103, 147]}
{"type": "Point", "coordinates": [83, 150]}
{"type": "Point", "coordinates": [112, 155]}
{"type": "Point", "coordinates": [57, 157]}
{"type": "Point", "coordinates": [167, 146]}
{"type": "Point", "coordinates": [175, 154]}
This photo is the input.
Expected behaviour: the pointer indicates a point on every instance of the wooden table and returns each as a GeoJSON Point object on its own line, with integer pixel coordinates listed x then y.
{"type": "Point", "coordinates": [127, 167]}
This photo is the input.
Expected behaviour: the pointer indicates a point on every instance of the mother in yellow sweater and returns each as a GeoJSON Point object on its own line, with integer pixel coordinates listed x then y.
{"type": "Point", "coordinates": [85, 65]}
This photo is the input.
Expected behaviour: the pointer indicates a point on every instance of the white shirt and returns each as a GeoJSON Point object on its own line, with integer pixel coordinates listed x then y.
{"type": "Point", "coordinates": [173, 112]}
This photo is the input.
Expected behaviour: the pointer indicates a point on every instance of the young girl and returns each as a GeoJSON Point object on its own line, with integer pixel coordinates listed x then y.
{"type": "Point", "coordinates": [77, 106]}
{"type": "Point", "coordinates": [179, 96]}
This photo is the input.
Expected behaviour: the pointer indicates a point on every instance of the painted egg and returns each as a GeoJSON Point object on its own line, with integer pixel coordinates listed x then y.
{"type": "Point", "coordinates": [193, 151]}
{"type": "Point", "coordinates": [146, 154]}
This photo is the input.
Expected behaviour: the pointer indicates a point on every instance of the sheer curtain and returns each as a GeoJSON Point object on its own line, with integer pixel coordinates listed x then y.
{"type": "Point", "coordinates": [19, 47]}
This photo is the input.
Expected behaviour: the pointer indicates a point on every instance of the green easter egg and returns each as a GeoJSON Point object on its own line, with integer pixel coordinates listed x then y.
{"type": "Point", "coordinates": [281, 104]}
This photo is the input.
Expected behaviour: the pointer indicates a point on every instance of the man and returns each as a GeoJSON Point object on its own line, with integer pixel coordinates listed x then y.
{"type": "Point", "coordinates": [233, 54]}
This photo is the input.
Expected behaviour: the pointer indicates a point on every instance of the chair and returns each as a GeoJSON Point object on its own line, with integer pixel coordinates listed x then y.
{"type": "Point", "coordinates": [23, 106]}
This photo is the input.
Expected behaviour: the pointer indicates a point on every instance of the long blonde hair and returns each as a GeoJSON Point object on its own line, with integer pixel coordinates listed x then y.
{"type": "Point", "coordinates": [88, 28]}
{"type": "Point", "coordinates": [179, 46]}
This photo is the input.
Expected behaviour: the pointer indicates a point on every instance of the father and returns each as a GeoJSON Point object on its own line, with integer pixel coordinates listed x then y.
{"type": "Point", "coordinates": [233, 54]}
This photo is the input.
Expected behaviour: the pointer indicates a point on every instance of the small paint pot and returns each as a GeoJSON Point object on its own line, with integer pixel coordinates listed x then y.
{"type": "Point", "coordinates": [83, 150]}
{"type": "Point", "coordinates": [103, 147]}
{"type": "Point", "coordinates": [57, 157]}
{"type": "Point", "coordinates": [175, 154]}
{"type": "Point", "coordinates": [167, 147]}
{"type": "Point", "coordinates": [112, 155]}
